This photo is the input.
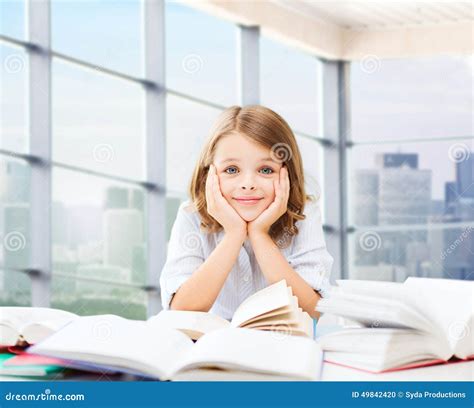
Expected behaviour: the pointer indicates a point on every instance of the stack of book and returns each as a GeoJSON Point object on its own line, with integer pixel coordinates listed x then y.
{"type": "Point", "coordinates": [400, 325]}
{"type": "Point", "coordinates": [21, 327]}
{"type": "Point", "coordinates": [268, 338]}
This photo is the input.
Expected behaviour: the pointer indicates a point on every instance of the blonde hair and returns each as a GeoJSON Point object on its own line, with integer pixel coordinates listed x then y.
{"type": "Point", "coordinates": [268, 129]}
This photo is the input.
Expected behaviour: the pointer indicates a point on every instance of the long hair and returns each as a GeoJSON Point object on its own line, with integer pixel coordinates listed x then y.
{"type": "Point", "coordinates": [268, 129]}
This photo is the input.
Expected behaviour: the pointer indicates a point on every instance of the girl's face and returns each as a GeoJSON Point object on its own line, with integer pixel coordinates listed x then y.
{"type": "Point", "coordinates": [246, 173]}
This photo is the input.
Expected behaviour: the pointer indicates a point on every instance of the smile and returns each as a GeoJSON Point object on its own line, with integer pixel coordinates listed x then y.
{"type": "Point", "coordinates": [252, 201]}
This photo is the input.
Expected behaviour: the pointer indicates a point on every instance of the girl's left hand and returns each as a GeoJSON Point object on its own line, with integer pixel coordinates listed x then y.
{"type": "Point", "coordinates": [276, 209]}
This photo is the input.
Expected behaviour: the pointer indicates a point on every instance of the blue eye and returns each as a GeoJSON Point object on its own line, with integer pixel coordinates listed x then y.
{"type": "Point", "coordinates": [230, 168]}
{"type": "Point", "coordinates": [267, 168]}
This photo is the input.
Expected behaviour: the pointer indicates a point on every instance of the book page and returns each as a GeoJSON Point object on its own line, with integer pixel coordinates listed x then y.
{"type": "Point", "coordinates": [36, 331]}
{"type": "Point", "coordinates": [112, 341]}
{"type": "Point", "coordinates": [256, 351]}
{"type": "Point", "coordinates": [450, 304]}
{"type": "Point", "coordinates": [188, 322]}
{"type": "Point", "coordinates": [14, 319]}
{"type": "Point", "coordinates": [268, 299]}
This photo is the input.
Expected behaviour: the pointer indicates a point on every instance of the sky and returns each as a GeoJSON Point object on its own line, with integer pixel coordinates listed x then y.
{"type": "Point", "coordinates": [98, 121]}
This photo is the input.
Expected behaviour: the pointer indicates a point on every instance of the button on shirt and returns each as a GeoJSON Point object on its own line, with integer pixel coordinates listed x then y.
{"type": "Point", "coordinates": [189, 247]}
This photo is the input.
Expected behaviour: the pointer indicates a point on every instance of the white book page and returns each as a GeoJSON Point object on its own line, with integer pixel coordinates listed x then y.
{"type": "Point", "coordinates": [270, 298]}
{"type": "Point", "coordinates": [117, 342]}
{"type": "Point", "coordinates": [37, 331]}
{"type": "Point", "coordinates": [374, 311]}
{"type": "Point", "coordinates": [14, 319]}
{"type": "Point", "coordinates": [20, 316]}
{"type": "Point", "coordinates": [255, 350]}
{"type": "Point", "coordinates": [450, 304]}
{"type": "Point", "coordinates": [188, 321]}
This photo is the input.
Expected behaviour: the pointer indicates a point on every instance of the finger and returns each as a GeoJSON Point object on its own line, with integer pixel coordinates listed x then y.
{"type": "Point", "coordinates": [209, 188]}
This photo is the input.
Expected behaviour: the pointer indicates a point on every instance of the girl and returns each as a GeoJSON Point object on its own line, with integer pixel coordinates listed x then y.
{"type": "Point", "coordinates": [249, 222]}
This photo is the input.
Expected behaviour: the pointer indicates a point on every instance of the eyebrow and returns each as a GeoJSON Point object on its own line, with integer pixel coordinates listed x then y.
{"type": "Point", "coordinates": [237, 160]}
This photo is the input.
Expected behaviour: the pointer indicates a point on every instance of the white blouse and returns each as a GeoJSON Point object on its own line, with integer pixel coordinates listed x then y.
{"type": "Point", "coordinates": [189, 247]}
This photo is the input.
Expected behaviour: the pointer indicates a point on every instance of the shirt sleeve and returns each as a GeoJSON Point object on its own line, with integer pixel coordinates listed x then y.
{"type": "Point", "coordinates": [309, 256]}
{"type": "Point", "coordinates": [185, 254]}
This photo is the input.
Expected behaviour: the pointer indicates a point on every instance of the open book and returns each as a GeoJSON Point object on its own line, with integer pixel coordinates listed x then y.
{"type": "Point", "coordinates": [400, 325]}
{"type": "Point", "coordinates": [108, 342]}
{"type": "Point", "coordinates": [273, 308]}
{"type": "Point", "coordinates": [30, 324]}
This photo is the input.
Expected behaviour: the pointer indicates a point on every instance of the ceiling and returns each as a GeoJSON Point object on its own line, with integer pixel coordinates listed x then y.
{"type": "Point", "coordinates": [359, 15]}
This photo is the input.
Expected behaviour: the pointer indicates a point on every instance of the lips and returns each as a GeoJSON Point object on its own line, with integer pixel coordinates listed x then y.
{"type": "Point", "coordinates": [248, 200]}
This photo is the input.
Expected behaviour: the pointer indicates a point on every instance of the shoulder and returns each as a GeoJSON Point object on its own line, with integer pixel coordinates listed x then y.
{"type": "Point", "coordinates": [312, 212]}
{"type": "Point", "coordinates": [187, 213]}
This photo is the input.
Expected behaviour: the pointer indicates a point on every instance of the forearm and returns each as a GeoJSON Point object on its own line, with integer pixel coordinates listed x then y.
{"type": "Point", "coordinates": [275, 267]}
{"type": "Point", "coordinates": [200, 291]}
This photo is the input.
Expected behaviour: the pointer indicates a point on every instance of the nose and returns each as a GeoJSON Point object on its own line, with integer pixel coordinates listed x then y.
{"type": "Point", "coordinates": [248, 183]}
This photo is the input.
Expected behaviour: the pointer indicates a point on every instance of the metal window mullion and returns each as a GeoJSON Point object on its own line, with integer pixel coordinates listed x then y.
{"type": "Point", "coordinates": [248, 65]}
{"type": "Point", "coordinates": [333, 124]}
{"type": "Point", "coordinates": [39, 87]}
{"type": "Point", "coordinates": [155, 128]}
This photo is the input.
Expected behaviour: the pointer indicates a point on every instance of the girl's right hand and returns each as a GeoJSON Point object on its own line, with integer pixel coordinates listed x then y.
{"type": "Point", "coordinates": [219, 208]}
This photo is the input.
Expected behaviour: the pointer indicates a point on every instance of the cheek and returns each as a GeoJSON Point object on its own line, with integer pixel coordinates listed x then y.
{"type": "Point", "coordinates": [226, 187]}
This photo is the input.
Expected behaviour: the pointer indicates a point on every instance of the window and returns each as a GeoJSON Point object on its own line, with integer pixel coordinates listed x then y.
{"type": "Point", "coordinates": [403, 99]}
{"type": "Point", "coordinates": [200, 55]}
{"type": "Point", "coordinates": [14, 214]}
{"type": "Point", "coordinates": [106, 34]}
{"type": "Point", "coordinates": [411, 169]}
{"type": "Point", "coordinates": [13, 94]}
{"type": "Point", "coordinates": [188, 124]}
{"type": "Point", "coordinates": [98, 228]}
{"type": "Point", "coordinates": [98, 121]}
{"type": "Point", "coordinates": [289, 85]}
{"type": "Point", "coordinates": [12, 18]}
{"type": "Point", "coordinates": [15, 288]}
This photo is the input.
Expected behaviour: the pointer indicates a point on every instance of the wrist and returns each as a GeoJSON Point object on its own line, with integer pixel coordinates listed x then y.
{"type": "Point", "coordinates": [239, 235]}
{"type": "Point", "coordinates": [257, 234]}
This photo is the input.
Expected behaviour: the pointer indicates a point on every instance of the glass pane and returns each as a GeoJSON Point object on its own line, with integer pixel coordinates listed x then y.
{"type": "Point", "coordinates": [200, 54]}
{"type": "Point", "coordinates": [172, 205]}
{"type": "Point", "coordinates": [411, 98]}
{"type": "Point", "coordinates": [396, 255]}
{"type": "Point", "coordinates": [14, 214]}
{"type": "Point", "coordinates": [91, 298]}
{"type": "Point", "coordinates": [15, 288]}
{"type": "Point", "coordinates": [289, 85]}
{"type": "Point", "coordinates": [414, 183]}
{"type": "Point", "coordinates": [105, 33]}
{"type": "Point", "coordinates": [12, 18]}
{"type": "Point", "coordinates": [98, 122]}
{"type": "Point", "coordinates": [13, 94]}
{"type": "Point", "coordinates": [187, 127]}
{"type": "Point", "coordinates": [98, 228]}
{"type": "Point", "coordinates": [312, 153]}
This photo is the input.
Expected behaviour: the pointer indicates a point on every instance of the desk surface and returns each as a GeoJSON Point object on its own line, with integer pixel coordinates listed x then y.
{"type": "Point", "coordinates": [461, 371]}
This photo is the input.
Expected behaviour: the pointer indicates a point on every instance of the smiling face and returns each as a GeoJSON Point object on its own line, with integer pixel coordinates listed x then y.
{"type": "Point", "coordinates": [246, 174]}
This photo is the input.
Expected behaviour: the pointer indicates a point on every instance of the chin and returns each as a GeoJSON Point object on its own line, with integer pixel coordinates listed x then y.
{"type": "Point", "coordinates": [249, 216]}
